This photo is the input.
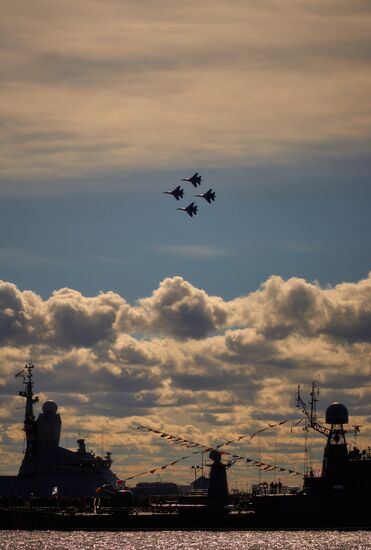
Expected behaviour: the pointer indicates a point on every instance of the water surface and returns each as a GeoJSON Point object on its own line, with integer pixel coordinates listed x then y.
{"type": "Point", "coordinates": [185, 540]}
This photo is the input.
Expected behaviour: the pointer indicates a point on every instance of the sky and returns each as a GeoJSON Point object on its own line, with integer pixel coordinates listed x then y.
{"type": "Point", "coordinates": [132, 311]}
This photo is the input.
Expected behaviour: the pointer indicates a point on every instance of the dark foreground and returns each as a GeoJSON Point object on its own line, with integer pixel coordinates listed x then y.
{"type": "Point", "coordinates": [269, 512]}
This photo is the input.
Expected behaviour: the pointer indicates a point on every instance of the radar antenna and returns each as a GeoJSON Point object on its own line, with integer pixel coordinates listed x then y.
{"type": "Point", "coordinates": [310, 412]}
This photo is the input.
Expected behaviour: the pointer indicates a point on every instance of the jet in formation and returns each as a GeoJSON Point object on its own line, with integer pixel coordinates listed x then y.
{"type": "Point", "coordinates": [194, 180]}
{"type": "Point", "coordinates": [191, 209]}
{"type": "Point", "coordinates": [209, 196]}
{"type": "Point", "coordinates": [177, 193]}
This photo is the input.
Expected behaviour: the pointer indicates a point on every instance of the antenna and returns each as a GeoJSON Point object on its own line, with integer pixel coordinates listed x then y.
{"type": "Point", "coordinates": [311, 412]}
{"type": "Point", "coordinates": [313, 402]}
{"type": "Point", "coordinates": [29, 418]}
{"type": "Point", "coordinates": [259, 458]}
{"type": "Point", "coordinates": [357, 430]}
{"type": "Point", "coordinates": [275, 457]}
{"type": "Point", "coordinates": [307, 455]}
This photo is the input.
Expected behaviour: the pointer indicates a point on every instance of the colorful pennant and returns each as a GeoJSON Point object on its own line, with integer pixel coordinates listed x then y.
{"type": "Point", "coordinates": [269, 427]}
{"type": "Point", "coordinates": [189, 443]}
{"type": "Point", "coordinates": [203, 449]}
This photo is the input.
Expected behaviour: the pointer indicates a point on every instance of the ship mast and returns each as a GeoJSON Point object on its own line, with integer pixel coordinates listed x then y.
{"type": "Point", "coordinates": [29, 418]}
{"type": "Point", "coordinates": [311, 412]}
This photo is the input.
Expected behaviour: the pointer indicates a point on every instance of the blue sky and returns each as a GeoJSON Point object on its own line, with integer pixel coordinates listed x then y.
{"type": "Point", "coordinates": [136, 313]}
{"type": "Point", "coordinates": [301, 218]}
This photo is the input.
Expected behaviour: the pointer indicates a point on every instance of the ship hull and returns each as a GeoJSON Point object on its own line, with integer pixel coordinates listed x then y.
{"type": "Point", "coordinates": [270, 512]}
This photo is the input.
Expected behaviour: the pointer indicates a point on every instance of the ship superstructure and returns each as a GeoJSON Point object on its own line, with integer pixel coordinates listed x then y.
{"type": "Point", "coordinates": [344, 471]}
{"type": "Point", "coordinates": [339, 498]}
{"type": "Point", "coordinates": [339, 495]}
{"type": "Point", "coordinates": [48, 467]}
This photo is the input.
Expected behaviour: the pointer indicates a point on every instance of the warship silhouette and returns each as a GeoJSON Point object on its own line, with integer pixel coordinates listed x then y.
{"type": "Point", "coordinates": [46, 466]}
{"type": "Point", "coordinates": [61, 489]}
{"type": "Point", "coordinates": [339, 495]}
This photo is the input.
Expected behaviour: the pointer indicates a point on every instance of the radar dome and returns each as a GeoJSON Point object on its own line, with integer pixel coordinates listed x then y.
{"type": "Point", "coordinates": [215, 455]}
{"type": "Point", "coordinates": [337, 414]}
{"type": "Point", "coordinates": [50, 407]}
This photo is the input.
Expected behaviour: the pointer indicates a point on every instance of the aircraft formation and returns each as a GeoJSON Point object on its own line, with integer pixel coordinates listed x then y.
{"type": "Point", "coordinates": [178, 193]}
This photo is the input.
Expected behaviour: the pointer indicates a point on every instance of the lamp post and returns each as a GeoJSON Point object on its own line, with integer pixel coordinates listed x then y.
{"type": "Point", "coordinates": [195, 468]}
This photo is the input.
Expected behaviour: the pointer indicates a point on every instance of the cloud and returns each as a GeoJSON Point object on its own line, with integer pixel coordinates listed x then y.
{"type": "Point", "coordinates": [22, 318]}
{"type": "Point", "coordinates": [132, 351]}
{"type": "Point", "coordinates": [280, 308]}
{"type": "Point", "coordinates": [177, 309]}
{"type": "Point", "coordinates": [193, 251]}
{"type": "Point", "coordinates": [79, 321]}
{"type": "Point", "coordinates": [187, 361]}
{"type": "Point", "coordinates": [95, 88]}
{"type": "Point", "coordinates": [349, 311]}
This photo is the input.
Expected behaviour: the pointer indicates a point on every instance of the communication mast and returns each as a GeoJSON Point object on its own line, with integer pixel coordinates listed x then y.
{"type": "Point", "coordinates": [335, 457]}
{"type": "Point", "coordinates": [29, 418]}
{"type": "Point", "coordinates": [310, 412]}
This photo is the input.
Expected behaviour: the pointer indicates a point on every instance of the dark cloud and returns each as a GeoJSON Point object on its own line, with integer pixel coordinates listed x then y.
{"type": "Point", "coordinates": [175, 309]}
{"type": "Point", "coordinates": [221, 380]}
{"type": "Point", "coordinates": [349, 312]}
{"type": "Point", "coordinates": [56, 66]}
{"type": "Point", "coordinates": [78, 321]}
{"type": "Point", "coordinates": [249, 346]}
{"type": "Point", "coordinates": [281, 308]}
{"type": "Point", "coordinates": [22, 318]}
{"type": "Point", "coordinates": [132, 351]}
{"type": "Point", "coordinates": [80, 372]}
{"type": "Point", "coordinates": [212, 418]}
{"type": "Point", "coordinates": [117, 72]}
{"type": "Point", "coordinates": [180, 310]}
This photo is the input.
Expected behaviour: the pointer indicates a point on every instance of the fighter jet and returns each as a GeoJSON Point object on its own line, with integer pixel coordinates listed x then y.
{"type": "Point", "coordinates": [194, 180]}
{"type": "Point", "coordinates": [177, 193]}
{"type": "Point", "coordinates": [190, 209]}
{"type": "Point", "coordinates": [209, 195]}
